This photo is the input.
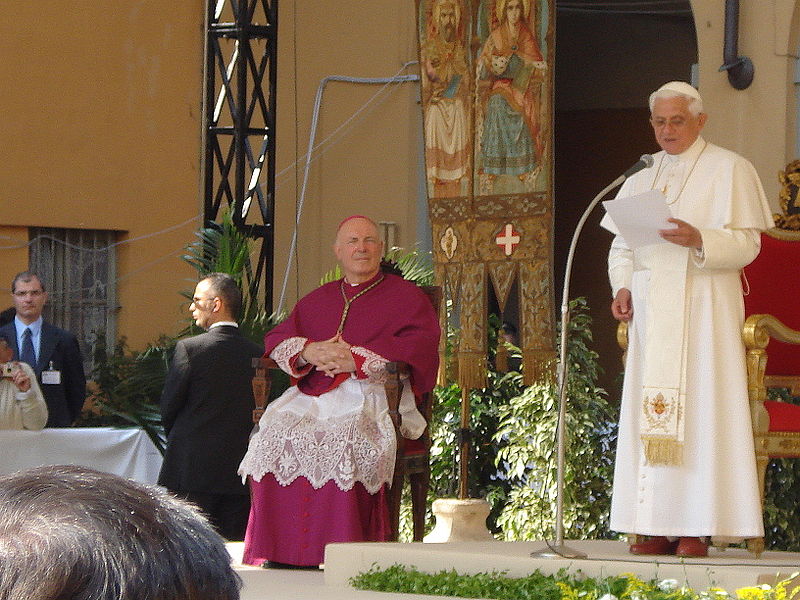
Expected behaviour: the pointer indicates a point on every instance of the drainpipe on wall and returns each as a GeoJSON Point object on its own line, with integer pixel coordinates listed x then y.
{"type": "Point", "coordinates": [740, 68]}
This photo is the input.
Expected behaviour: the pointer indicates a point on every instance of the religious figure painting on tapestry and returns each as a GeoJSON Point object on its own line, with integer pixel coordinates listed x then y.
{"type": "Point", "coordinates": [444, 31]}
{"type": "Point", "coordinates": [510, 70]}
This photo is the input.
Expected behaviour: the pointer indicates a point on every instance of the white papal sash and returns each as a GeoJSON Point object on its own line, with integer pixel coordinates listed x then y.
{"type": "Point", "coordinates": [664, 388]}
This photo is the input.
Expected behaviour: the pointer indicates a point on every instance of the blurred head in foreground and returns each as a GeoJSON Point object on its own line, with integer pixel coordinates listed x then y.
{"type": "Point", "coordinates": [69, 532]}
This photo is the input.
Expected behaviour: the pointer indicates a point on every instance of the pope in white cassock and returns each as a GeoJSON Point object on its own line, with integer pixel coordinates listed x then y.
{"type": "Point", "coordinates": [685, 468]}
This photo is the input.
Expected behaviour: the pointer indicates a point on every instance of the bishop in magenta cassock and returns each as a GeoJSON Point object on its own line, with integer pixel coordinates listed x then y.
{"type": "Point", "coordinates": [323, 453]}
{"type": "Point", "coordinates": [685, 469]}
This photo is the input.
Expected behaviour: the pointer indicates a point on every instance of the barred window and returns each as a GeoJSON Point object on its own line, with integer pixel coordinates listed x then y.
{"type": "Point", "coordinates": [78, 269]}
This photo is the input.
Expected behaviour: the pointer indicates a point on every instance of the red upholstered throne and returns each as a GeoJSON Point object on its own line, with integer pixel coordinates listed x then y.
{"type": "Point", "coordinates": [771, 336]}
{"type": "Point", "coordinates": [772, 331]}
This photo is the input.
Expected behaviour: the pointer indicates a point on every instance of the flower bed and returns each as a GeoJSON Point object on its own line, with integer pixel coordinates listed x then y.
{"type": "Point", "coordinates": [561, 586]}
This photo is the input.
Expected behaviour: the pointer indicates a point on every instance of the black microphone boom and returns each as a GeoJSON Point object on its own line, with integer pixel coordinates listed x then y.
{"type": "Point", "coordinates": [645, 162]}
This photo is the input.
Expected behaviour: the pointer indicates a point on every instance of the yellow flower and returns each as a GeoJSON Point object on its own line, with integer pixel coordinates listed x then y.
{"type": "Point", "coordinates": [567, 593]}
{"type": "Point", "coordinates": [754, 593]}
{"type": "Point", "coordinates": [635, 586]}
{"type": "Point", "coordinates": [781, 592]}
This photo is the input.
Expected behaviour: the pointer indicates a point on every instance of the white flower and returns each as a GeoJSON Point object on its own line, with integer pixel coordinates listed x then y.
{"type": "Point", "coordinates": [712, 594]}
{"type": "Point", "coordinates": [608, 597]}
{"type": "Point", "coordinates": [668, 585]}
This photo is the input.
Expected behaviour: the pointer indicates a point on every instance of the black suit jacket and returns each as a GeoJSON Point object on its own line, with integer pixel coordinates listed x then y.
{"type": "Point", "coordinates": [60, 349]}
{"type": "Point", "coordinates": [206, 410]}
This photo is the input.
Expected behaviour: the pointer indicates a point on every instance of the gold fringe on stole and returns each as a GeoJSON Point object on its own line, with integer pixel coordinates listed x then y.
{"type": "Point", "coordinates": [471, 370]}
{"type": "Point", "coordinates": [537, 365]}
{"type": "Point", "coordinates": [501, 356]}
{"type": "Point", "coordinates": [663, 452]}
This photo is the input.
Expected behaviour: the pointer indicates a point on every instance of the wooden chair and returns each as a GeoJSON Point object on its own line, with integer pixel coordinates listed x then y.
{"type": "Point", "coordinates": [413, 456]}
{"type": "Point", "coordinates": [262, 384]}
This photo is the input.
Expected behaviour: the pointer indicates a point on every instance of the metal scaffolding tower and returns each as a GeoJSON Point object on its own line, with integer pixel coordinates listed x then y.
{"type": "Point", "coordinates": [239, 122]}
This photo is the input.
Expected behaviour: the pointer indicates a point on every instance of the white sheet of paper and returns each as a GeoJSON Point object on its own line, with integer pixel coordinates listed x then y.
{"type": "Point", "coordinates": [638, 218]}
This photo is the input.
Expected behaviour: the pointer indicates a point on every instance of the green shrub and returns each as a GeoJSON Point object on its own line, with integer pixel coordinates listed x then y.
{"type": "Point", "coordinates": [513, 435]}
{"type": "Point", "coordinates": [526, 438]}
{"type": "Point", "coordinates": [561, 585]}
{"type": "Point", "coordinates": [128, 387]}
{"type": "Point", "coordinates": [782, 489]}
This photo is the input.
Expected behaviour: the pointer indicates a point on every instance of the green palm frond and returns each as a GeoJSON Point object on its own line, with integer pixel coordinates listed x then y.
{"type": "Point", "coordinates": [221, 248]}
{"type": "Point", "coordinates": [332, 275]}
{"type": "Point", "coordinates": [128, 386]}
{"type": "Point", "coordinates": [416, 266]}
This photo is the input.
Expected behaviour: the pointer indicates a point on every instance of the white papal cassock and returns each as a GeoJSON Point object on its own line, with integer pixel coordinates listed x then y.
{"type": "Point", "coordinates": [712, 490]}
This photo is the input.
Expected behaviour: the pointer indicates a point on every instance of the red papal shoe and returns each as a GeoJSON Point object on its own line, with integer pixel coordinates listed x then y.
{"type": "Point", "coordinates": [654, 545]}
{"type": "Point", "coordinates": [691, 547]}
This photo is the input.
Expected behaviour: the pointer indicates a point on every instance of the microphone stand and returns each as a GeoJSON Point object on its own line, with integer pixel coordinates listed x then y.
{"type": "Point", "coordinates": [558, 549]}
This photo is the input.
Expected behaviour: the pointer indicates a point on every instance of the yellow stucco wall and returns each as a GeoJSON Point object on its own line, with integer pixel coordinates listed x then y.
{"type": "Point", "coordinates": [103, 125]}
{"type": "Point", "coordinates": [371, 165]}
{"type": "Point", "coordinates": [757, 122]}
{"type": "Point", "coordinates": [101, 128]}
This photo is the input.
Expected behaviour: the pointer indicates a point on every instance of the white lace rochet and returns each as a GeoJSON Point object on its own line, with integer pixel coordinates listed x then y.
{"type": "Point", "coordinates": [345, 435]}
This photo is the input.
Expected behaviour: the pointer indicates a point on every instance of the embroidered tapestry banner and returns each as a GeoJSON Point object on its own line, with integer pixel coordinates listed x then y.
{"type": "Point", "coordinates": [487, 80]}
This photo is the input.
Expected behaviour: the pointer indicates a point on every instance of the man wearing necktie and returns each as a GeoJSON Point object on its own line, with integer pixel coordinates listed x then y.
{"type": "Point", "coordinates": [52, 353]}
{"type": "Point", "coordinates": [27, 353]}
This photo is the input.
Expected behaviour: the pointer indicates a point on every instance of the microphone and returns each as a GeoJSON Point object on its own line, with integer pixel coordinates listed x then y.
{"type": "Point", "coordinates": [645, 162]}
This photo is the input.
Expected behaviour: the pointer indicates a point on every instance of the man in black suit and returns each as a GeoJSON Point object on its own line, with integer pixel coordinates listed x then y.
{"type": "Point", "coordinates": [206, 409]}
{"type": "Point", "coordinates": [7, 315]}
{"type": "Point", "coordinates": [53, 353]}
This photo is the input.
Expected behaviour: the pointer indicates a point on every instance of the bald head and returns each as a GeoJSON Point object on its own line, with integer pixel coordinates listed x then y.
{"type": "Point", "coordinates": [358, 248]}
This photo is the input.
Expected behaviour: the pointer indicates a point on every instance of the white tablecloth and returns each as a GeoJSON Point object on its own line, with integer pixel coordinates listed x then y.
{"type": "Point", "coordinates": [125, 452]}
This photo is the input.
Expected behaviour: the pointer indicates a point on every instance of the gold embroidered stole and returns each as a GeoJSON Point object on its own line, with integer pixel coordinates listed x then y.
{"type": "Point", "coordinates": [664, 387]}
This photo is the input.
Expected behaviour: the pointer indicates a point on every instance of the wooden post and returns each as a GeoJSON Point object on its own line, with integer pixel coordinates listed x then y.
{"type": "Point", "coordinates": [464, 447]}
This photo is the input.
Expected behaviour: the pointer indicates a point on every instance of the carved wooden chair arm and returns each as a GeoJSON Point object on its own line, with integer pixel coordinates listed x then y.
{"type": "Point", "coordinates": [395, 370]}
{"type": "Point", "coordinates": [262, 383]}
{"type": "Point", "coordinates": [757, 331]}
